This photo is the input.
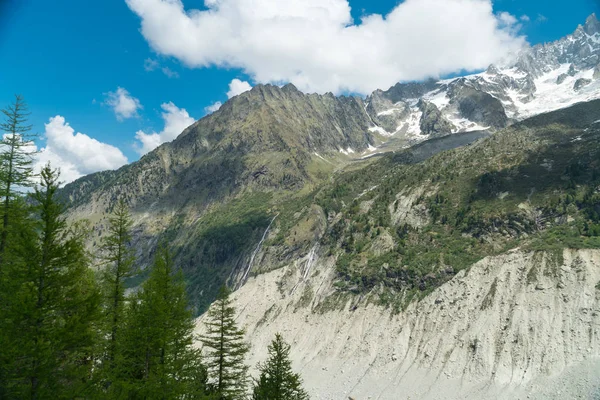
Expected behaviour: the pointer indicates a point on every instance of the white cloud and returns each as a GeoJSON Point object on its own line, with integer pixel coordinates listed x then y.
{"type": "Point", "coordinates": [507, 19]}
{"type": "Point", "coordinates": [213, 107]}
{"type": "Point", "coordinates": [237, 87]}
{"type": "Point", "coordinates": [176, 120]}
{"type": "Point", "coordinates": [75, 154]}
{"type": "Point", "coordinates": [525, 18]}
{"type": "Point", "coordinates": [150, 64]}
{"type": "Point", "coordinates": [169, 72]}
{"type": "Point", "coordinates": [123, 104]}
{"type": "Point", "coordinates": [316, 45]}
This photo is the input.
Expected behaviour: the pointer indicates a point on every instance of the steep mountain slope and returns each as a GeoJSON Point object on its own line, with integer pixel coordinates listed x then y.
{"type": "Point", "coordinates": [405, 223]}
{"type": "Point", "coordinates": [515, 326]}
{"type": "Point", "coordinates": [470, 273]}
{"type": "Point", "coordinates": [251, 171]}
{"type": "Point", "coordinates": [207, 193]}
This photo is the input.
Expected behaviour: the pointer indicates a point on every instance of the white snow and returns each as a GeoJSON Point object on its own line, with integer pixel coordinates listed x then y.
{"type": "Point", "coordinates": [550, 96]}
{"type": "Point", "coordinates": [438, 97]}
{"type": "Point", "coordinates": [514, 73]}
{"type": "Point", "coordinates": [391, 111]}
{"type": "Point", "coordinates": [347, 152]}
{"type": "Point", "coordinates": [380, 130]}
{"type": "Point", "coordinates": [464, 125]}
{"type": "Point", "coordinates": [414, 123]}
{"type": "Point", "coordinates": [370, 149]}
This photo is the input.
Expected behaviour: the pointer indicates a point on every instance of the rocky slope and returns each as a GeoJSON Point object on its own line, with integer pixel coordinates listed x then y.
{"type": "Point", "coordinates": [208, 192]}
{"type": "Point", "coordinates": [471, 273]}
{"type": "Point", "coordinates": [287, 167]}
{"type": "Point", "coordinates": [514, 326]}
{"type": "Point", "coordinates": [544, 78]}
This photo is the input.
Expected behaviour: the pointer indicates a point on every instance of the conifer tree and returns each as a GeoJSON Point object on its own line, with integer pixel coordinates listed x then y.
{"type": "Point", "coordinates": [15, 171]}
{"type": "Point", "coordinates": [16, 145]}
{"type": "Point", "coordinates": [277, 381]}
{"type": "Point", "coordinates": [226, 350]}
{"type": "Point", "coordinates": [119, 260]}
{"type": "Point", "coordinates": [159, 358]}
{"type": "Point", "coordinates": [53, 306]}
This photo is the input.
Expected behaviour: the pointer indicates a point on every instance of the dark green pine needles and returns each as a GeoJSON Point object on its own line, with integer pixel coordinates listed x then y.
{"type": "Point", "coordinates": [226, 350]}
{"type": "Point", "coordinates": [51, 304]}
{"type": "Point", "coordinates": [277, 381]}
{"type": "Point", "coordinates": [160, 361]}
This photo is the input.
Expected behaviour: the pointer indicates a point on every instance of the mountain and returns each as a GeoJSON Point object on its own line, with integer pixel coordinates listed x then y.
{"type": "Point", "coordinates": [208, 192]}
{"type": "Point", "coordinates": [468, 273]}
{"type": "Point", "coordinates": [245, 172]}
{"type": "Point", "coordinates": [543, 78]}
{"type": "Point", "coordinates": [439, 238]}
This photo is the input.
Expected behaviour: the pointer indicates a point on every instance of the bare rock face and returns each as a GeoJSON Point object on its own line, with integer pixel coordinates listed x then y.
{"type": "Point", "coordinates": [597, 72]}
{"type": "Point", "coordinates": [572, 70]}
{"type": "Point", "coordinates": [479, 106]}
{"type": "Point", "coordinates": [433, 122]}
{"type": "Point", "coordinates": [506, 328]}
{"type": "Point", "coordinates": [581, 83]}
{"type": "Point", "coordinates": [561, 78]}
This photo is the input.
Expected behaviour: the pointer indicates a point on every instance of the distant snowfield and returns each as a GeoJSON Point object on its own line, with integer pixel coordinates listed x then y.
{"type": "Point", "coordinates": [551, 96]}
{"type": "Point", "coordinates": [548, 96]}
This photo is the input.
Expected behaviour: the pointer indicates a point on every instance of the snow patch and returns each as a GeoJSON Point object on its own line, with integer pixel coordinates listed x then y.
{"type": "Point", "coordinates": [550, 96]}
{"type": "Point", "coordinates": [380, 130]}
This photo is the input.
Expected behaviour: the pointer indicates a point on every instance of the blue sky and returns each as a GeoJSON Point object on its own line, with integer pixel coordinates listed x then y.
{"type": "Point", "coordinates": [65, 56]}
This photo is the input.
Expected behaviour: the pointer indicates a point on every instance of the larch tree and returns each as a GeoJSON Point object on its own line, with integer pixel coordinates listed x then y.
{"type": "Point", "coordinates": [277, 381]}
{"type": "Point", "coordinates": [225, 350]}
{"type": "Point", "coordinates": [15, 170]}
{"type": "Point", "coordinates": [54, 304]}
{"type": "Point", "coordinates": [160, 360]}
{"type": "Point", "coordinates": [118, 258]}
{"type": "Point", "coordinates": [16, 162]}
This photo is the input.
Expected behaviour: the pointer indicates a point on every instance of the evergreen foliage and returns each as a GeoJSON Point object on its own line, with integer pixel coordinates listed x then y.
{"type": "Point", "coordinates": [228, 375]}
{"type": "Point", "coordinates": [52, 305]}
{"type": "Point", "coordinates": [15, 160]}
{"type": "Point", "coordinates": [119, 265]}
{"type": "Point", "coordinates": [159, 359]}
{"type": "Point", "coordinates": [277, 381]}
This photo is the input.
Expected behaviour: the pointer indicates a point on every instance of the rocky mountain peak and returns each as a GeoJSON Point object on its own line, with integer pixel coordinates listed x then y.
{"type": "Point", "coordinates": [592, 25]}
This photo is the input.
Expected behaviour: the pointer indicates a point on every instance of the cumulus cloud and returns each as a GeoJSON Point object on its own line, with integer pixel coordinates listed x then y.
{"type": "Point", "coordinates": [176, 120]}
{"type": "Point", "coordinates": [236, 87]}
{"type": "Point", "coordinates": [316, 45]}
{"type": "Point", "coordinates": [123, 104]}
{"type": "Point", "coordinates": [213, 107]}
{"type": "Point", "coordinates": [525, 18]}
{"type": "Point", "coordinates": [75, 154]}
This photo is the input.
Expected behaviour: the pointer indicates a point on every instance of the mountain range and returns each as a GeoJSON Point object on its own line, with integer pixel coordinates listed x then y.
{"type": "Point", "coordinates": [364, 229]}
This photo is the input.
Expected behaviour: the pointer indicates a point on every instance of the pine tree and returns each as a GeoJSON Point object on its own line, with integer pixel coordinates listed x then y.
{"type": "Point", "coordinates": [160, 361]}
{"type": "Point", "coordinates": [226, 350]}
{"type": "Point", "coordinates": [53, 306]}
{"type": "Point", "coordinates": [16, 170]}
{"type": "Point", "coordinates": [277, 381]}
{"type": "Point", "coordinates": [119, 265]}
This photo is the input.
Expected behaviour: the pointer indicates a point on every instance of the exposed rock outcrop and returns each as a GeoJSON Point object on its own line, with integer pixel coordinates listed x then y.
{"type": "Point", "coordinates": [432, 121]}
{"type": "Point", "coordinates": [581, 83]}
{"type": "Point", "coordinates": [503, 329]}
